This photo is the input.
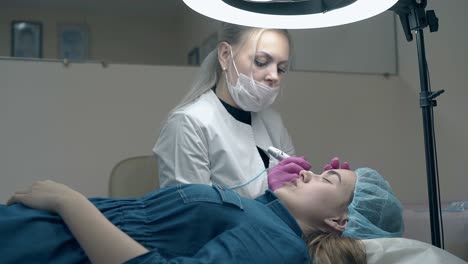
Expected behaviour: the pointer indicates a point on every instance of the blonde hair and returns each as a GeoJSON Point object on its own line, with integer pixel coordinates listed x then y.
{"type": "Point", "coordinates": [210, 70]}
{"type": "Point", "coordinates": [331, 248]}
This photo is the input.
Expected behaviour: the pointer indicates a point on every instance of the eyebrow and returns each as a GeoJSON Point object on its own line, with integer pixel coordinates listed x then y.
{"type": "Point", "coordinates": [332, 172]}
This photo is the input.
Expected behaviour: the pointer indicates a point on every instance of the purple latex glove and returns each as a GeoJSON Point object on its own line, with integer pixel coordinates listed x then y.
{"type": "Point", "coordinates": [286, 171]}
{"type": "Point", "coordinates": [335, 164]}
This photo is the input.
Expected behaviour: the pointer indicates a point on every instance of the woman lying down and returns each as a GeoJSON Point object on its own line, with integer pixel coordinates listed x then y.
{"type": "Point", "coordinates": [299, 221]}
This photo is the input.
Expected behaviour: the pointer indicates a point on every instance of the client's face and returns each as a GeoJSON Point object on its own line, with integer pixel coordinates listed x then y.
{"type": "Point", "coordinates": [312, 198]}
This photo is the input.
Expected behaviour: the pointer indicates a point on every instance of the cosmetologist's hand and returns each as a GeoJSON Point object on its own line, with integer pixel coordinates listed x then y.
{"type": "Point", "coordinates": [286, 171]}
{"type": "Point", "coordinates": [335, 164]}
{"type": "Point", "coordinates": [45, 195]}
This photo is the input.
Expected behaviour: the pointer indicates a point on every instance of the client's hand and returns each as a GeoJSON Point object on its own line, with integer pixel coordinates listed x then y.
{"type": "Point", "coordinates": [44, 195]}
{"type": "Point", "coordinates": [335, 164]}
{"type": "Point", "coordinates": [286, 170]}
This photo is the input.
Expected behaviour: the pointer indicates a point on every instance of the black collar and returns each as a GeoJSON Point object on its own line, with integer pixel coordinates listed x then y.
{"type": "Point", "coordinates": [239, 114]}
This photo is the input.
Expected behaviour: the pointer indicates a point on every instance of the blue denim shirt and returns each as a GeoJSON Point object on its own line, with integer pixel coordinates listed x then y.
{"type": "Point", "coordinates": [210, 224]}
{"type": "Point", "coordinates": [178, 224]}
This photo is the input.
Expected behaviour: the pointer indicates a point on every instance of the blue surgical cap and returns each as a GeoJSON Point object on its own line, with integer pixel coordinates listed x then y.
{"type": "Point", "coordinates": [375, 211]}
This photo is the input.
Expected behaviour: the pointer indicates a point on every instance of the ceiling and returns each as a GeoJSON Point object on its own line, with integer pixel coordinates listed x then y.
{"type": "Point", "coordinates": [133, 7]}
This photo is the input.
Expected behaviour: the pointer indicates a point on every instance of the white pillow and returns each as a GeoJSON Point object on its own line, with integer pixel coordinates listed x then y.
{"type": "Point", "coordinates": [405, 250]}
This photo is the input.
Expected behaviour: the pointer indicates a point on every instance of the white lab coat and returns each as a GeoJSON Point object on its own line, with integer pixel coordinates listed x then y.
{"type": "Point", "coordinates": [203, 143]}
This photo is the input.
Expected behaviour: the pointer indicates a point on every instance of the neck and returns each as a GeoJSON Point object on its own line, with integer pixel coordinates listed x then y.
{"type": "Point", "coordinates": [223, 93]}
{"type": "Point", "coordinates": [306, 229]}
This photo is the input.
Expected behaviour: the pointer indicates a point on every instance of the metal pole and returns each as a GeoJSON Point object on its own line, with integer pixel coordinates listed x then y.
{"type": "Point", "coordinates": [427, 102]}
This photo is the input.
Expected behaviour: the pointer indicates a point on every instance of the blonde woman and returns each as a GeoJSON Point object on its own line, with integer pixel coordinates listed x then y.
{"type": "Point", "coordinates": [220, 131]}
{"type": "Point", "coordinates": [187, 223]}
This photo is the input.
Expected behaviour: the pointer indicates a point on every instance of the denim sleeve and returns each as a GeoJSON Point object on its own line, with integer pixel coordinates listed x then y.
{"type": "Point", "coordinates": [239, 245]}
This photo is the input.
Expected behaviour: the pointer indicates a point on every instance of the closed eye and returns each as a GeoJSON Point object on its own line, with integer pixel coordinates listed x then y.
{"type": "Point", "coordinates": [282, 70]}
{"type": "Point", "coordinates": [260, 63]}
{"type": "Point", "coordinates": [327, 180]}
{"type": "Point", "coordinates": [335, 173]}
{"type": "Point", "coordinates": [264, 59]}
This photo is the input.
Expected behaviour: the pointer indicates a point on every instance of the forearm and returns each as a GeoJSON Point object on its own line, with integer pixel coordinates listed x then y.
{"type": "Point", "coordinates": [100, 239]}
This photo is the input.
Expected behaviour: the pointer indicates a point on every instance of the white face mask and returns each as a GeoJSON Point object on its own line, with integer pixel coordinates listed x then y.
{"type": "Point", "coordinates": [249, 94]}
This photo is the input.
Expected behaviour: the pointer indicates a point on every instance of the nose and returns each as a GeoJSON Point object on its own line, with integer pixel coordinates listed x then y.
{"type": "Point", "coordinates": [308, 176]}
{"type": "Point", "coordinates": [272, 76]}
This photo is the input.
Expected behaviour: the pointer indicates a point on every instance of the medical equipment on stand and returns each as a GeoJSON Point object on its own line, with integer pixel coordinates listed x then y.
{"type": "Point", "coordinates": [277, 154]}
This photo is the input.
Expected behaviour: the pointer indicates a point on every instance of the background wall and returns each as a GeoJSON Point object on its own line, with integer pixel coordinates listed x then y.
{"type": "Point", "coordinates": [164, 32]}
{"type": "Point", "coordinates": [114, 37]}
{"type": "Point", "coordinates": [73, 124]}
{"type": "Point", "coordinates": [448, 66]}
{"type": "Point", "coordinates": [366, 46]}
